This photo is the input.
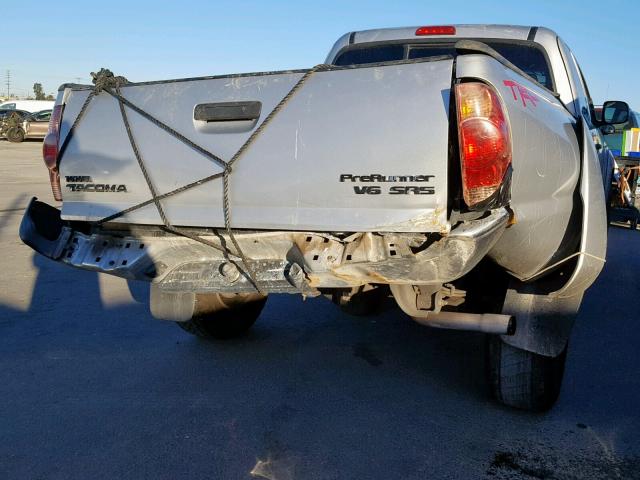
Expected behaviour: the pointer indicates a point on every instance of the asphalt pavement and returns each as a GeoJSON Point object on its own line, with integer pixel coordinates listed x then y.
{"type": "Point", "coordinates": [92, 387]}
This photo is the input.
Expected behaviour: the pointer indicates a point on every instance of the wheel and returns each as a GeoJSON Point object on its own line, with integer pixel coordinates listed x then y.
{"type": "Point", "coordinates": [224, 316]}
{"type": "Point", "coordinates": [523, 379]}
{"type": "Point", "coordinates": [15, 135]}
{"type": "Point", "coordinates": [360, 301]}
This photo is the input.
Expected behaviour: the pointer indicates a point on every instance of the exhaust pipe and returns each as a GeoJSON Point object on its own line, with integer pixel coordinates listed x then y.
{"type": "Point", "coordinates": [485, 322]}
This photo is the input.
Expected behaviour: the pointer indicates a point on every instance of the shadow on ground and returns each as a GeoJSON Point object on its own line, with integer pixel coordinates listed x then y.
{"type": "Point", "coordinates": [93, 391]}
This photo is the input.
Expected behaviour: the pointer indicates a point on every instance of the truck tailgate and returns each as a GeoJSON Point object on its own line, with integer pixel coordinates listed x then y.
{"type": "Point", "coordinates": [355, 149]}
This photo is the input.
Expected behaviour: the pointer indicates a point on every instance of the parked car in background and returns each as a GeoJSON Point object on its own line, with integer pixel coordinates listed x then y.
{"type": "Point", "coordinates": [17, 127]}
{"type": "Point", "coordinates": [11, 126]}
{"type": "Point", "coordinates": [28, 105]}
{"type": "Point", "coordinates": [37, 124]}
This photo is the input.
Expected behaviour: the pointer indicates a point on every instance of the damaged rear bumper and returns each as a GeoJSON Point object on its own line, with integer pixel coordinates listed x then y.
{"type": "Point", "coordinates": [295, 262]}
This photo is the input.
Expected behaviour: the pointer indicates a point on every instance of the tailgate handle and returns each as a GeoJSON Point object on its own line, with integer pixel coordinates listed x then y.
{"type": "Point", "coordinates": [227, 111]}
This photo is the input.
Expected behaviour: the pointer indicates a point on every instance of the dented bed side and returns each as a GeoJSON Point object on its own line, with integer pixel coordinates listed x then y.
{"type": "Point", "coordinates": [546, 167]}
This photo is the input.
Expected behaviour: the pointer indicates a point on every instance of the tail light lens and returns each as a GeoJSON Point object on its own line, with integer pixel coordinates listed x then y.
{"type": "Point", "coordinates": [485, 141]}
{"type": "Point", "coordinates": [50, 151]}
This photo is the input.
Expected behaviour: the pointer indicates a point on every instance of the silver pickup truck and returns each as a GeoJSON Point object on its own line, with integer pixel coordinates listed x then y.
{"type": "Point", "coordinates": [459, 169]}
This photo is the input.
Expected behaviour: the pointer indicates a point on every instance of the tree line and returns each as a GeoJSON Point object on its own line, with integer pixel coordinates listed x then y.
{"type": "Point", "coordinates": [39, 93]}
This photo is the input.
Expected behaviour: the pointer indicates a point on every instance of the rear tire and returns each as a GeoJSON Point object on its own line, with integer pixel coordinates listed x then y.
{"type": "Point", "coordinates": [223, 316]}
{"type": "Point", "coordinates": [523, 379]}
{"type": "Point", "coordinates": [15, 135]}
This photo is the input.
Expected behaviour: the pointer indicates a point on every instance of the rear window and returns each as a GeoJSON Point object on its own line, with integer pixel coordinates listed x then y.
{"type": "Point", "coordinates": [381, 53]}
{"type": "Point", "coordinates": [527, 57]}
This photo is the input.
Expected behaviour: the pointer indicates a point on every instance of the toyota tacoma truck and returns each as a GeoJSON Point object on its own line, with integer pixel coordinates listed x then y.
{"type": "Point", "coordinates": [457, 168]}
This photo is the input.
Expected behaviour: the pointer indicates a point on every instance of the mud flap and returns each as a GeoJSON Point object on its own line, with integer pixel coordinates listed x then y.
{"type": "Point", "coordinates": [545, 321]}
{"type": "Point", "coordinates": [171, 306]}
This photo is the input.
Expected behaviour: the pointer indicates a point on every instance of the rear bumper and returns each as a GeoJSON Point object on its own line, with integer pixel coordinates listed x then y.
{"type": "Point", "coordinates": [283, 261]}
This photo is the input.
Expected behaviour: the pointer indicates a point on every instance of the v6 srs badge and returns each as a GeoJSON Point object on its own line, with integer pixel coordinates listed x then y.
{"type": "Point", "coordinates": [389, 189]}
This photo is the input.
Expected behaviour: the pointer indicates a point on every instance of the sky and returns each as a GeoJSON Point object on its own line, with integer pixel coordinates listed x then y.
{"type": "Point", "coordinates": [62, 41]}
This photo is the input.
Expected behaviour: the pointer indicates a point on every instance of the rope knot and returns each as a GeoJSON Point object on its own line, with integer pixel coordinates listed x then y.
{"type": "Point", "coordinates": [105, 79]}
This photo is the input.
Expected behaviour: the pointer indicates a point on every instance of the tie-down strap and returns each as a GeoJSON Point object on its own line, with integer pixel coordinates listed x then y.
{"type": "Point", "coordinates": [106, 81]}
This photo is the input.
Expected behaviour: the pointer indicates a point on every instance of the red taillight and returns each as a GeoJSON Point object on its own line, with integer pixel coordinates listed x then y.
{"type": "Point", "coordinates": [485, 141]}
{"type": "Point", "coordinates": [439, 30]}
{"type": "Point", "coordinates": [50, 151]}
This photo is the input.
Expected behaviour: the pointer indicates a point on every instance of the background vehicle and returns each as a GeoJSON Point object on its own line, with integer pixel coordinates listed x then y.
{"type": "Point", "coordinates": [28, 105]}
{"type": "Point", "coordinates": [11, 126]}
{"type": "Point", "coordinates": [472, 188]}
{"type": "Point", "coordinates": [36, 125]}
{"type": "Point", "coordinates": [23, 125]}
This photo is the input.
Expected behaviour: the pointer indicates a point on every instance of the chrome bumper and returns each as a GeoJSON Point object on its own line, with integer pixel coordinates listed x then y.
{"type": "Point", "coordinates": [284, 261]}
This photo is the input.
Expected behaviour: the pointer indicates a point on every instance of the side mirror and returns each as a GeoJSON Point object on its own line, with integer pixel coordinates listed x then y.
{"type": "Point", "coordinates": [615, 112]}
{"type": "Point", "coordinates": [608, 129]}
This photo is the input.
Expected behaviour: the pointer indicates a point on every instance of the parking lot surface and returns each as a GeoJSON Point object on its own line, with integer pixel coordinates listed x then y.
{"type": "Point", "coordinates": [92, 387]}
